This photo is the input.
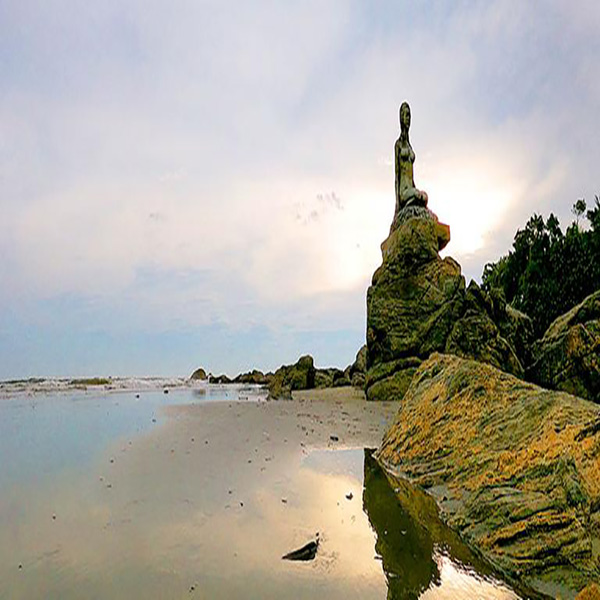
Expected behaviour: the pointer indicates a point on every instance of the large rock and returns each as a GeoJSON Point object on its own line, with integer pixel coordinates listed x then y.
{"type": "Point", "coordinates": [358, 369]}
{"type": "Point", "coordinates": [417, 304]}
{"type": "Point", "coordinates": [299, 376]}
{"type": "Point", "coordinates": [514, 468]}
{"type": "Point", "coordinates": [331, 377]}
{"type": "Point", "coordinates": [477, 333]}
{"type": "Point", "coordinates": [568, 356]}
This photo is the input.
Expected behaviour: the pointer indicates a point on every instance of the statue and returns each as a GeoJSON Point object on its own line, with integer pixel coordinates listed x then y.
{"type": "Point", "coordinates": [406, 192]}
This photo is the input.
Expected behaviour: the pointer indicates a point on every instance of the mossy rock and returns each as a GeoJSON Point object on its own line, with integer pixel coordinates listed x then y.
{"type": "Point", "coordinates": [299, 376]}
{"type": "Point", "coordinates": [514, 468]}
{"type": "Point", "coordinates": [391, 388]}
{"type": "Point", "coordinates": [568, 355]}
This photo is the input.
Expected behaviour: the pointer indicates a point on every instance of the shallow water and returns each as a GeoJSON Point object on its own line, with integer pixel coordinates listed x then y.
{"type": "Point", "coordinates": [99, 500]}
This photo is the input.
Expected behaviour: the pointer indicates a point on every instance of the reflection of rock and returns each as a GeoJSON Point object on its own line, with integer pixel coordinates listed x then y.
{"type": "Point", "coordinates": [410, 534]}
{"type": "Point", "coordinates": [405, 547]}
{"type": "Point", "coordinates": [417, 304]}
{"type": "Point", "coordinates": [515, 468]}
{"type": "Point", "coordinates": [568, 356]}
{"type": "Point", "coordinates": [198, 374]}
{"type": "Point", "coordinates": [299, 376]}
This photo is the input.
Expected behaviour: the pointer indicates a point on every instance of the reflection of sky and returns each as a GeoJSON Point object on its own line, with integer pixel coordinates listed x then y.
{"type": "Point", "coordinates": [42, 435]}
{"type": "Point", "coordinates": [179, 512]}
{"type": "Point", "coordinates": [348, 462]}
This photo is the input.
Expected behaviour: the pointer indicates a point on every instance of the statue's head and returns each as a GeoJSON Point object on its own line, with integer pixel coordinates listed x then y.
{"type": "Point", "coordinates": [404, 116]}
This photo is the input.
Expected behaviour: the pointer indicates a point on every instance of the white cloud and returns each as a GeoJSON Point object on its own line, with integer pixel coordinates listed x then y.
{"type": "Point", "coordinates": [199, 140]}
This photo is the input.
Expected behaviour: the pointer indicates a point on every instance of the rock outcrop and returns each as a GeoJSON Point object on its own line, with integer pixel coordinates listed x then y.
{"type": "Point", "coordinates": [358, 369]}
{"type": "Point", "coordinates": [568, 355]}
{"type": "Point", "coordinates": [418, 304]}
{"type": "Point", "coordinates": [331, 377]}
{"type": "Point", "coordinates": [514, 468]}
{"type": "Point", "coordinates": [255, 377]}
{"type": "Point", "coordinates": [199, 375]}
{"type": "Point", "coordinates": [299, 376]}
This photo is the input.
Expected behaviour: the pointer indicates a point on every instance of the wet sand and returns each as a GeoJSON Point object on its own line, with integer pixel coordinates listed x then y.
{"type": "Point", "coordinates": [205, 503]}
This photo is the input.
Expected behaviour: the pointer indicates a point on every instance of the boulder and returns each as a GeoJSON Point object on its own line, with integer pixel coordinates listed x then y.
{"type": "Point", "coordinates": [198, 375]}
{"type": "Point", "coordinates": [476, 335]}
{"type": "Point", "coordinates": [568, 355]}
{"type": "Point", "coordinates": [514, 468]}
{"type": "Point", "coordinates": [417, 304]}
{"type": "Point", "coordinates": [356, 372]}
{"type": "Point", "coordinates": [253, 377]}
{"type": "Point", "coordinates": [299, 376]}
{"type": "Point", "coordinates": [331, 377]}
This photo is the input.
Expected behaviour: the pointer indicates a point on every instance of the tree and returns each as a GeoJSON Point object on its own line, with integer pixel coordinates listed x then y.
{"type": "Point", "coordinates": [547, 272]}
{"type": "Point", "coordinates": [578, 209]}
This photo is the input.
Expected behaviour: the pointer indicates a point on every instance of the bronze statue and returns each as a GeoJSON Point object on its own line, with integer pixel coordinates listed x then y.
{"type": "Point", "coordinates": [406, 192]}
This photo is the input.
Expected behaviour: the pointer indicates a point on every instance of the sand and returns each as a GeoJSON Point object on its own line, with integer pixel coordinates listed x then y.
{"type": "Point", "coordinates": [206, 503]}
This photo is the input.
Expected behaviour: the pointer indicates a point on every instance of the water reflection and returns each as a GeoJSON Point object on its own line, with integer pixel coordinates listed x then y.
{"type": "Point", "coordinates": [406, 548]}
{"type": "Point", "coordinates": [421, 557]}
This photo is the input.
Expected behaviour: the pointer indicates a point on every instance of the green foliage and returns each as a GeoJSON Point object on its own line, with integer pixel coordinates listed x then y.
{"type": "Point", "coordinates": [547, 272]}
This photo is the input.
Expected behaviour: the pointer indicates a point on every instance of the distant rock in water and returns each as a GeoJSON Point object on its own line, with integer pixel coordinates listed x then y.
{"type": "Point", "coordinates": [198, 375]}
{"type": "Point", "coordinates": [299, 376]}
{"type": "Point", "coordinates": [568, 355]}
{"type": "Point", "coordinates": [514, 468]}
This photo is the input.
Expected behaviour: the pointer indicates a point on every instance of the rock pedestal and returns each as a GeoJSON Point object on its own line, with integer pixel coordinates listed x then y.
{"type": "Point", "coordinates": [418, 304]}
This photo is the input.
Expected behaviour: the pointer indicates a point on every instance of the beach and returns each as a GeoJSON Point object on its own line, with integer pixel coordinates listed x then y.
{"type": "Point", "coordinates": [204, 498]}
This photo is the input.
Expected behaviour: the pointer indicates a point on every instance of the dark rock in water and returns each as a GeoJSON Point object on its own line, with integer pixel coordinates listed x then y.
{"type": "Point", "coordinates": [199, 374]}
{"type": "Point", "coordinates": [299, 376]}
{"type": "Point", "coordinates": [307, 552]}
{"type": "Point", "coordinates": [568, 355]}
{"type": "Point", "coordinates": [514, 468]}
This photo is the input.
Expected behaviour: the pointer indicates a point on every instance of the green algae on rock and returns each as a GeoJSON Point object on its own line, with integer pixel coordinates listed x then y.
{"type": "Point", "coordinates": [514, 468]}
{"type": "Point", "coordinates": [568, 355]}
{"type": "Point", "coordinates": [299, 376]}
{"type": "Point", "coordinates": [418, 304]}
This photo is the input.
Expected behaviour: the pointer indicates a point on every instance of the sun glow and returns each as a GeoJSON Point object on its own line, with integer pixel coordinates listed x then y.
{"type": "Point", "coordinates": [472, 200]}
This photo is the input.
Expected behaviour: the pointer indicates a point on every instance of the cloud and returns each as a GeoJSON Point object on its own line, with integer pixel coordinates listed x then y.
{"type": "Point", "coordinates": [231, 163]}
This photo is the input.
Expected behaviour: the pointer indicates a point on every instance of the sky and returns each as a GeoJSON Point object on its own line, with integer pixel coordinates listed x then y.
{"type": "Point", "coordinates": [207, 183]}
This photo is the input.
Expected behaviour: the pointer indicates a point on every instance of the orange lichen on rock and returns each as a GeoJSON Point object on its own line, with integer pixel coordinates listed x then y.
{"type": "Point", "coordinates": [514, 468]}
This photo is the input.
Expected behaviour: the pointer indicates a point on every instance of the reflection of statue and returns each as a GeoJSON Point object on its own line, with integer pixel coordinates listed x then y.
{"type": "Point", "coordinates": [406, 192]}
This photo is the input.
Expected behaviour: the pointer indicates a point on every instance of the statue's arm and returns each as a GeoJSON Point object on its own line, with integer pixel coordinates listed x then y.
{"type": "Point", "coordinates": [397, 166]}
